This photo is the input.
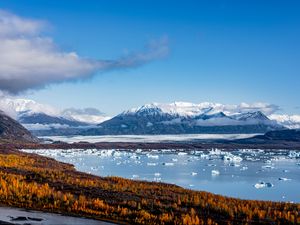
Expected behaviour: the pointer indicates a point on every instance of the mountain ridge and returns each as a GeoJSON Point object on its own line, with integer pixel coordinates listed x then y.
{"type": "Point", "coordinates": [12, 131]}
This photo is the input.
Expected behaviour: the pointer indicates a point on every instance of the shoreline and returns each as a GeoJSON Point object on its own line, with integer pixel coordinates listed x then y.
{"type": "Point", "coordinates": [155, 145]}
{"type": "Point", "coordinates": [40, 216]}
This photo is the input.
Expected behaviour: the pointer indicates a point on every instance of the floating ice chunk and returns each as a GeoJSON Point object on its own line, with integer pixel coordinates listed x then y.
{"type": "Point", "coordinates": [182, 153]}
{"type": "Point", "coordinates": [215, 152]}
{"type": "Point", "coordinates": [284, 179]}
{"type": "Point", "coordinates": [191, 185]}
{"type": "Point", "coordinates": [157, 174]}
{"type": "Point", "coordinates": [151, 164]}
{"type": "Point", "coordinates": [138, 150]}
{"type": "Point", "coordinates": [294, 154]}
{"type": "Point", "coordinates": [268, 167]}
{"type": "Point", "coordinates": [157, 179]}
{"type": "Point", "coordinates": [215, 172]}
{"type": "Point", "coordinates": [232, 158]}
{"type": "Point", "coordinates": [260, 185]}
{"type": "Point", "coordinates": [244, 168]}
{"type": "Point", "coordinates": [204, 156]}
{"type": "Point", "coordinates": [194, 173]}
{"type": "Point", "coordinates": [263, 185]}
{"type": "Point", "coordinates": [117, 154]}
{"type": "Point", "coordinates": [210, 165]}
{"type": "Point", "coordinates": [285, 171]}
{"type": "Point", "coordinates": [174, 160]}
{"type": "Point", "coordinates": [152, 156]}
{"type": "Point", "coordinates": [168, 164]}
{"type": "Point", "coordinates": [135, 176]}
{"type": "Point", "coordinates": [235, 165]}
{"type": "Point", "coordinates": [166, 150]}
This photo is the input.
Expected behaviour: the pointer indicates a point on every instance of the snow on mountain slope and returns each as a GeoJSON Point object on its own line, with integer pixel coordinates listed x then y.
{"type": "Point", "coordinates": [202, 111]}
{"type": "Point", "coordinates": [188, 118]}
{"type": "Point", "coordinates": [13, 106]}
{"type": "Point", "coordinates": [291, 122]}
{"type": "Point", "coordinates": [35, 116]}
{"type": "Point", "coordinates": [184, 109]}
{"type": "Point", "coordinates": [187, 109]}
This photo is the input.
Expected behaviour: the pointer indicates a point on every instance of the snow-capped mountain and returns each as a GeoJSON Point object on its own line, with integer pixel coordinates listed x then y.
{"type": "Point", "coordinates": [13, 106]}
{"type": "Point", "coordinates": [154, 118]}
{"type": "Point", "coordinates": [291, 122]}
{"type": "Point", "coordinates": [35, 116]}
{"type": "Point", "coordinates": [41, 121]}
{"type": "Point", "coordinates": [183, 118]}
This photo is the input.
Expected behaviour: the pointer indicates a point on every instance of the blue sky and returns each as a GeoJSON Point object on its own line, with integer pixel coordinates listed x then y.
{"type": "Point", "coordinates": [219, 51]}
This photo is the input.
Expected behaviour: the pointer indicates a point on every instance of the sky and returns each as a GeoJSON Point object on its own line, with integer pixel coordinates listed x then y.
{"type": "Point", "coordinates": [115, 55]}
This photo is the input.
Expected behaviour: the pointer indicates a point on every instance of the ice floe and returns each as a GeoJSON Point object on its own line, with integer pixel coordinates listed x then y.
{"type": "Point", "coordinates": [263, 184]}
{"type": "Point", "coordinates": [168, 164]}
{"type": "Point", "coordinates": [215, 172]}
{"type": "Point", "coordinates": [284, 179]}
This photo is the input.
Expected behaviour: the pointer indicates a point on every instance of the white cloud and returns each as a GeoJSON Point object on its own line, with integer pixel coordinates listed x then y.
{"type": "Point", "coordinates": [38, 126]}
{"type": "Point", "coordinates": [29, 60]}
{"type": "Point", "coordinates": [12, 25]}
{"type": "Point", "coordinates": [87, 115]}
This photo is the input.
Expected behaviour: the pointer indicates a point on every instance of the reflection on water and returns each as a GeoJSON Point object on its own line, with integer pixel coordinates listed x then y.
{"type": "Point", "coordinates": [248, 174]}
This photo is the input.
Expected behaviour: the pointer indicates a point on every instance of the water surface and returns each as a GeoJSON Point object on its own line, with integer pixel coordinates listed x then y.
{"type": "Point", "coordinates": [248, 174]}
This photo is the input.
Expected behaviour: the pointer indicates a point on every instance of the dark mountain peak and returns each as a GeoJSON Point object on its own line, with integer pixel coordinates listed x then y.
{"type": "Point", "coordinates": [29, 117]}
{"type": "Point", "coordinates": [255, 115]}
{"type": "Point", "coordinates": [11, 130]}
{"type": "Point", "coordinates": [206, 116]}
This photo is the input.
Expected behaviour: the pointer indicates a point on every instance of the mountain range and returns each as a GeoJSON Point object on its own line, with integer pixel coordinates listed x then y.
{"type": "Point", "coordinates": [183, 118]}
{"type": "Point", "coordinates": [155, 118]}
{"type": "Point", "coordinates": [174, 118]}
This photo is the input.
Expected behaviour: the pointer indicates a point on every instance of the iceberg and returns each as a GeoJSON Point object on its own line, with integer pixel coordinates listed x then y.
{"type": "Point", "coordinates": [232, 158]}
{"type": "Point", "coordinates": [152, 156]}
{"type": "Point", "coordinates": [182, 153]}
{"type": "Point", "coordinates": [294, 154]}
{"type": "Point", "coordinates": [215, 172]}
{"type": "Point", "coordinates": [263, 185]}
{"type": "Point", "coordinates": [168, 164]}
{"type": "Point", "coordinates": [284, 179]}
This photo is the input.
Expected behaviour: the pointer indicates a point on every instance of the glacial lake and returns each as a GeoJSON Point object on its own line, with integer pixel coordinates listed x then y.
{"type": "Point", "coordinates": [242, 173]}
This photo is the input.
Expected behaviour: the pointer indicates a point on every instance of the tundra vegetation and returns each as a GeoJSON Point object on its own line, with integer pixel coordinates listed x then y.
{"type": "Point", "coordinates": [41, 183]}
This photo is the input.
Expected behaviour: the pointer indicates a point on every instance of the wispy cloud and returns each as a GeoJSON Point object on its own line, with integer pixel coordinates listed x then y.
{"type": "Point", "coordinates": [29, 60]}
